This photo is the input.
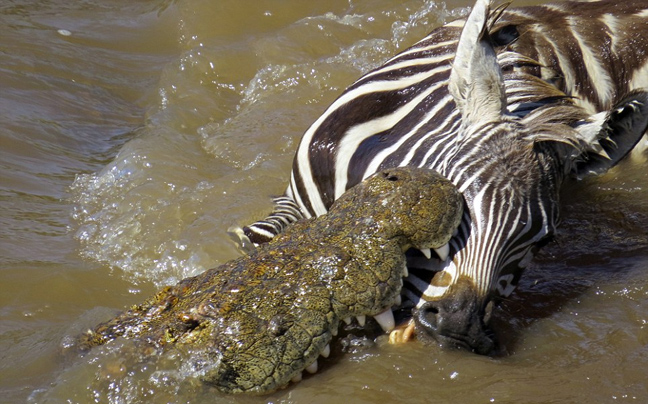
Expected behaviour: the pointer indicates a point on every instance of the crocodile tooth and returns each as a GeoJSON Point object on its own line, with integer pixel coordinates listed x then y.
{"type": "Point", "coordinates": [347, 320]}
{"type": "Point", "coordinates": [405, 271]}
{"type": "Point", "coordinates": [426, 252]}
{"type": "Point", "coordinates": [297, 378]}
{"type": "Point", "coordinates": [443, 251]}
{"type": "Point", "coordinates": [312, 368]}
{"type": "Point", "coordinates": [361, 320]}
{"type": "Point", "coordinates": [386, 320]}
{"type": "Point", "coordinates": [334, 332]}
{"type": "Point", "coordinates": [398, 301]}
{"type": "Point", "coordinates": [326, 351]}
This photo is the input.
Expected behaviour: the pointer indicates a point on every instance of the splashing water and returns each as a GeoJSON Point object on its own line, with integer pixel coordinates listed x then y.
{"type": "Point", "coordinates": [149, 212]}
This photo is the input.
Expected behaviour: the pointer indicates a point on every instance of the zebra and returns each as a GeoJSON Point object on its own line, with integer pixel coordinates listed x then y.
{"type": "Point", "coordinates": [505, 104]}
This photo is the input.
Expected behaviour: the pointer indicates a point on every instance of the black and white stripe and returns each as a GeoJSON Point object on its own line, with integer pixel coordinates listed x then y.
{"type": "Point", "coordinates": [285, 212]}
{"type": "Point", "coordinates": [561, 65]}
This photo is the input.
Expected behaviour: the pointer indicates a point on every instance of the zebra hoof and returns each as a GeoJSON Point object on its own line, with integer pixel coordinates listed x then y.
{"type": "Point", "coordinates": [243, 242]}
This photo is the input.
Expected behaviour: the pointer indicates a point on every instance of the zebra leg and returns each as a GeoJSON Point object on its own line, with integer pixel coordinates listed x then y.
{"type": "Point", "coordinates": [242, 241]}
{"type": "Point", "coordinates": [285, 212]}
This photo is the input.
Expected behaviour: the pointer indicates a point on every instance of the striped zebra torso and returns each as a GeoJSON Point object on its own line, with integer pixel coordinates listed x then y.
{"type": "Point", "coordinates": [409, 103]}
{"type": "Point", "coordinates": [559, 65]}
{"type": "Point", "coordinates": [413, 119]}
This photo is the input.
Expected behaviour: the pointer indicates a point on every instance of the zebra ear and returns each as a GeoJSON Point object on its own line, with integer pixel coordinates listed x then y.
{"type": "Point", "coordinates": [476, 81]}
{"type": "Point", "coordinates": [609, 136]}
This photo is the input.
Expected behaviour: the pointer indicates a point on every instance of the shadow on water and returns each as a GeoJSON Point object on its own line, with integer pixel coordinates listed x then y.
{"type": "Point", "coordinates": [602, 230]}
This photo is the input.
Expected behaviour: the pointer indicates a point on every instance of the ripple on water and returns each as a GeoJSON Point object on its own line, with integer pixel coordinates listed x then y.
{"type": "Point", "coordinates": [219, 141]}
{"type": "Point", "coordinates": [158, 212]}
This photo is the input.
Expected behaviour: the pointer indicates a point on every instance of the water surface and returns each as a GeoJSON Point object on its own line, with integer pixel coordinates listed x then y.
{"type": "Point", "coordinates": [133, 134]}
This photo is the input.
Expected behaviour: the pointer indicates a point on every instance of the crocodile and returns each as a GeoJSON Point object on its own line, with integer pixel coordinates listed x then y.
{"type": "Point", "coordinates": [264, 318]}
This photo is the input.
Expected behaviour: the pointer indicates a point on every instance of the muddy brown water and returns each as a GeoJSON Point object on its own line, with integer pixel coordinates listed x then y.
{"type": "Point", "coordinates": [132, 134]}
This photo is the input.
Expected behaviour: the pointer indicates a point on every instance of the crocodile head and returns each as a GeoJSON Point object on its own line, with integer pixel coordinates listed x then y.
{"type": "Point", "coordinates": [255, 323]}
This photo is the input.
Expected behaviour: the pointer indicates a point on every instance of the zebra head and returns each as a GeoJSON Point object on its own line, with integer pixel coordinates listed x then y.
{"type": "Point", "coordinates": [509, 160]}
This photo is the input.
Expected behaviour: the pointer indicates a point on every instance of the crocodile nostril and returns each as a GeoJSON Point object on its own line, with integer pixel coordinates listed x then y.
{"type": "Point", "coordinates": [389, 176]}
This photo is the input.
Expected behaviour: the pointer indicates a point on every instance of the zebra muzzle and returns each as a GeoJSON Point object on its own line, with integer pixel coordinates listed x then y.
{"type": "Point", "coordinates": [456, 321]}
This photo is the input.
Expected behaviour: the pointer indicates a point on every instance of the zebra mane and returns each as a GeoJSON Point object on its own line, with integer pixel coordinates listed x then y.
{"type": "Point", "coordinates": [548, 114]}
{"type": "Point", "coordinates": [496, 13]}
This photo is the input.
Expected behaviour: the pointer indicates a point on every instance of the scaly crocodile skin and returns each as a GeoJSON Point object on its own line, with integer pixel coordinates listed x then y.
{"type": "Point", "coordinates": [266, 317]}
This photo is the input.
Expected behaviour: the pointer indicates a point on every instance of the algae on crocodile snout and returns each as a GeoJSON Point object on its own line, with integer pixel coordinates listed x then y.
{"type": "Point", "coordinates": [262, 319]}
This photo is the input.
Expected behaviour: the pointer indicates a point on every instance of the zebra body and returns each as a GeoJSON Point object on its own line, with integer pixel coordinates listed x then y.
{"type": "Point", "coordinates": [505, 105]}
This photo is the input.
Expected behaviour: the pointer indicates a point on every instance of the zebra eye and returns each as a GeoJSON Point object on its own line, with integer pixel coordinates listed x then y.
{"type": "Point", "coordinates": [505, 35]}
